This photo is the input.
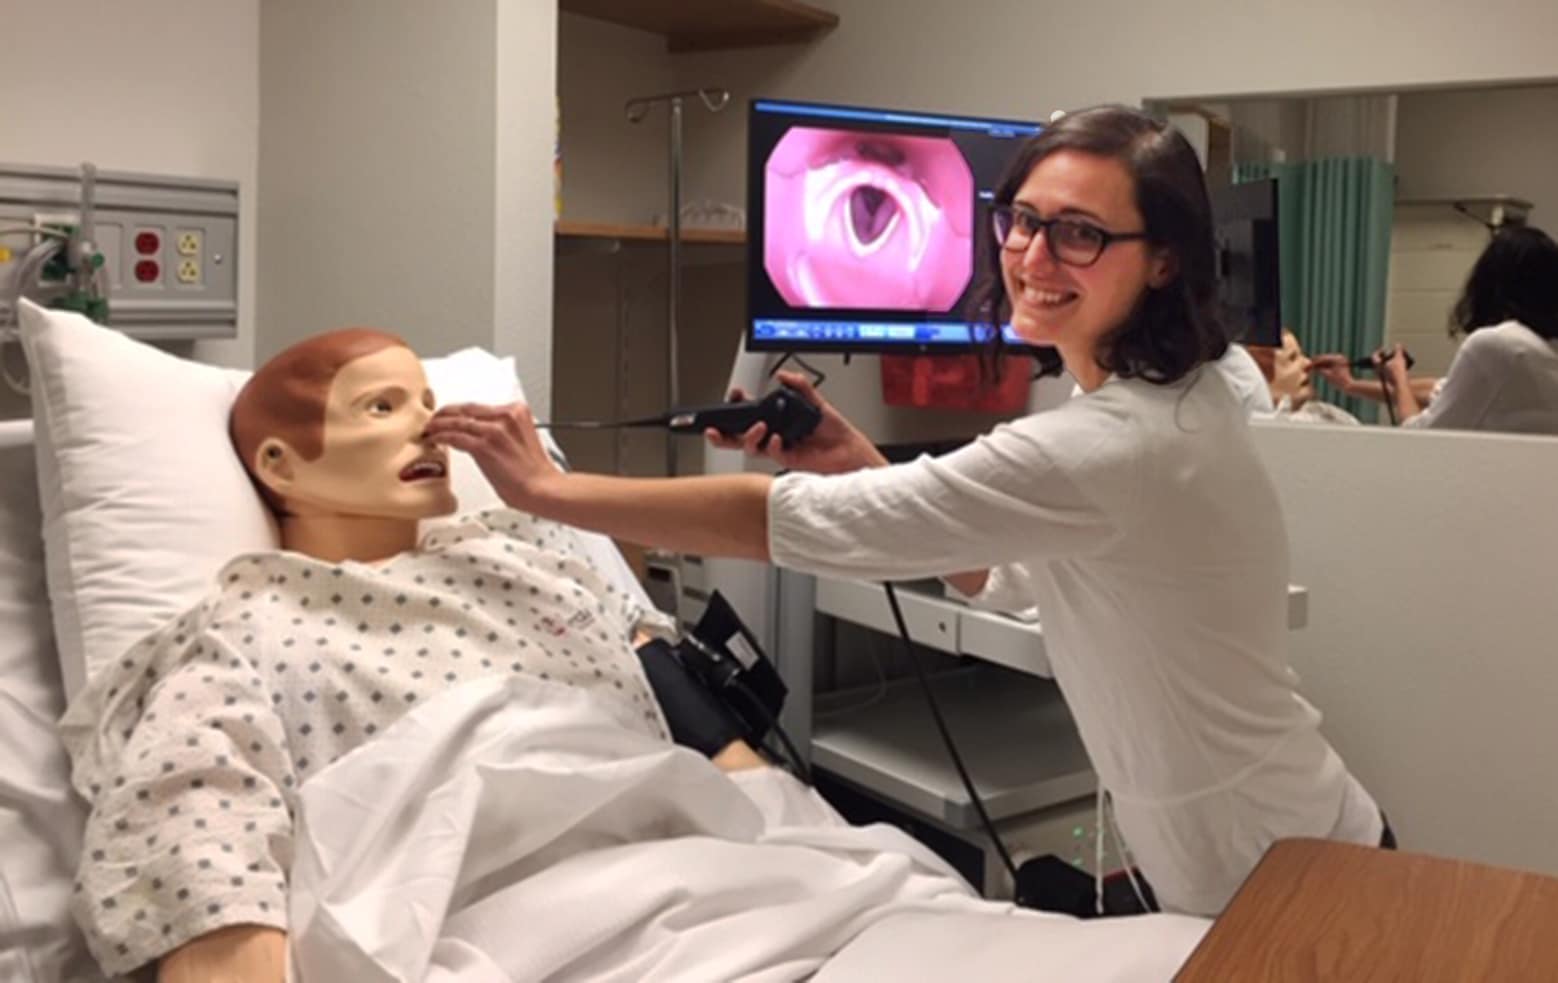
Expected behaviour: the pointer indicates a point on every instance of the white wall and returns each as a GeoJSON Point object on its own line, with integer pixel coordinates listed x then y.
{"type": "Point", "coordinates": [1482, 141]}
{"type": "Point", "coordinates": [161, 86]}
{"type": "Point", "coordinates": [406, 156]}
{"type": "Point", "coordinates": [1431, 639]}
{"type": "Point", "coordinates": [525, 114]}
{"type": "Point", "coordinates": [378, 160]}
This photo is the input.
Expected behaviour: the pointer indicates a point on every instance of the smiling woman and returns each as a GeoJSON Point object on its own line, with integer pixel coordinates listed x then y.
{"type": "Point", "coordinates": [1137, 517]}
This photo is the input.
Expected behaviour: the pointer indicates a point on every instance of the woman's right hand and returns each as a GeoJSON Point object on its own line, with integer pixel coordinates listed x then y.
{"type": "Point", "coordinates": [835, 447]}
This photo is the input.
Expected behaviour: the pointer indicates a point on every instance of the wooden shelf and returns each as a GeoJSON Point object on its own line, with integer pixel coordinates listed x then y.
{"type": "Point", "coordinates": [648, 233]}
{"type": "Point", "coordinates": [708, 25]}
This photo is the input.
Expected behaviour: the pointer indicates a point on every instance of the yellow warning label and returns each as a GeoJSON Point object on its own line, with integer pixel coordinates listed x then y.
{"type": "Point", "coordinates": [5, 255]}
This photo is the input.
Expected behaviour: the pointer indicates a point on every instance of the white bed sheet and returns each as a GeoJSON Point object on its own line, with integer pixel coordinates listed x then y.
{"type": "Point", "coordinates": [508, 830]}
{"type": "Point", "coordinates": [40, 819]}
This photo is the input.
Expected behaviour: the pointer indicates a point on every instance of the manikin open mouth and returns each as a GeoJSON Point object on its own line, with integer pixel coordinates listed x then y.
{"type": "Point", "coordinates": [423, 468]}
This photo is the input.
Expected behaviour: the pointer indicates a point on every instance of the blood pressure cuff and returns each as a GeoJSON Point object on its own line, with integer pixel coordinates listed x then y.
{"type": "Point", "coordinates": [698, 718]}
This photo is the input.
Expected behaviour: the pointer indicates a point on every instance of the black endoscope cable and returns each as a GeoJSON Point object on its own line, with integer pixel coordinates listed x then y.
{"type": "Point", "coordinates": [946, 737]}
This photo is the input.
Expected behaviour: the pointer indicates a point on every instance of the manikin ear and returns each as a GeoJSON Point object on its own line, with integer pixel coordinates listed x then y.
{"type": "Point", "coordinates": [274, 465]}
{"type": "Point", "coordinates": [1163, 267]}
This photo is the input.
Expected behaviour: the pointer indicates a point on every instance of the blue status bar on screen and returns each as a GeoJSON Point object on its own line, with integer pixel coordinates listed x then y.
{"type": "Point", "coordinates": [994, 127]}
{"type": "Point", "coordinates": [870, 332]}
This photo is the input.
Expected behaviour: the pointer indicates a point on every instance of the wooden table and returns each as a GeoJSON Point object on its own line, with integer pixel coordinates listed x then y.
{"type": "Point", "coordinates": [1315, 910]}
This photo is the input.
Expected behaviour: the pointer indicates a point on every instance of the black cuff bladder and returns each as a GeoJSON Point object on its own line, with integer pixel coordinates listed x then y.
{"type": "Point", "coordinates": [697, 717]}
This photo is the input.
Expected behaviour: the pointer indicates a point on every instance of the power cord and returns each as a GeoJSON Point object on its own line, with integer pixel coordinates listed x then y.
{"type": "Point", "coordinates": [946, 736]}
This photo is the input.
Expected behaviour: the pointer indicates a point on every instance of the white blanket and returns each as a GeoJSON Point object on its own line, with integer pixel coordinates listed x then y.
{"type": "Point", "coordinates": [509, 830]}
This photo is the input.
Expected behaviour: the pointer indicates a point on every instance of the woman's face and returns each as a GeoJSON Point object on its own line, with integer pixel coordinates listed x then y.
{"type": "Point", "coordinates": [1290, 372]}
{"type": "Point", "coordinates": [1072, 307]}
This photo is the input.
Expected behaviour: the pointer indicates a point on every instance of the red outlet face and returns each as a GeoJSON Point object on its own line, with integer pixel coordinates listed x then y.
{"type": "Point", "coordinates": [147, 243]}
{"type": "Point", "coordinates": [147, 271]}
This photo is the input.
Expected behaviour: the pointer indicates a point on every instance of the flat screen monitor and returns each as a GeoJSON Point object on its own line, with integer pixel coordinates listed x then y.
{"type": "Point", "coordinates": [865, 226]}
{"type": "Point", "coordinates": [1249, 271]}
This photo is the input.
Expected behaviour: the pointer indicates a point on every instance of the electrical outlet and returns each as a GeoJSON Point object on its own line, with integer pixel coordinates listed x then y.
{"type": "Point", "coordinates": [189, 242]}
{"type": "Point", "coordinates": [188, 271]}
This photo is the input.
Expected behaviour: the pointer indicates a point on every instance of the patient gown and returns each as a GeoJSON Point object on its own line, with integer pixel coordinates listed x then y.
{"type": "Point", "coordinates": [191, 748]}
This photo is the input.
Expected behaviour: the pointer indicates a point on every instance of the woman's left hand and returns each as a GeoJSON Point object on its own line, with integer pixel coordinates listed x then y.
{"type": "Point", "coordinates": [1393, 361]}
{"type": "Point", "coordinates": [505, 444]}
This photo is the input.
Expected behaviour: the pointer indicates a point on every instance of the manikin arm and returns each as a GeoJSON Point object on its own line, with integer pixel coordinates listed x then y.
{"type": "Point", "coordinates": [236, 954]}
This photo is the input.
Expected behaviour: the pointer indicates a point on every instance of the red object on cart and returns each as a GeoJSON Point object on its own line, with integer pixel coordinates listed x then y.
{"type": "Point", "coordinates": [953, 382]}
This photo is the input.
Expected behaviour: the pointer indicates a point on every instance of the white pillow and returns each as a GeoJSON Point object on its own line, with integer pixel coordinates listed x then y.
{"type": "Point", "coordinates": [143, 498]}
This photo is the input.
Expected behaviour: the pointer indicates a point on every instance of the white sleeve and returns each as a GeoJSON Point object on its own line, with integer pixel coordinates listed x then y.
{"type": "Point", "coordinates": [1467, 392]}
{"type": "Point", "coordinates": [1008, 589]}
{"type": "Point", "coordinates": [1059, 483]}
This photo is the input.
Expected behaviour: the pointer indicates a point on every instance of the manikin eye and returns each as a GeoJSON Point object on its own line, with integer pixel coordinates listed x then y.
{"type": "Point", "coordinates": [381, 407]}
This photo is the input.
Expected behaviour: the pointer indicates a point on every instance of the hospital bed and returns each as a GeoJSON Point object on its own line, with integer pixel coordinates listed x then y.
{"type": "Point", "coordinates": [40, 818]}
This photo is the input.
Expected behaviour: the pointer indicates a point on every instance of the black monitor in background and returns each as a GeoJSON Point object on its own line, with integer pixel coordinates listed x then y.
{"type": "Point", "coordinates": [1244, 217]}
{"type": "Point", "coordinates": [866, 226]}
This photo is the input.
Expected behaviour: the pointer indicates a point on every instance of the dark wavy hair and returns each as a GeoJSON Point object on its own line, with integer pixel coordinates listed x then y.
{"type": "Point", "coordinates": [1515, 279]}
{"type": "Point", "coordinates": [1174, 328]}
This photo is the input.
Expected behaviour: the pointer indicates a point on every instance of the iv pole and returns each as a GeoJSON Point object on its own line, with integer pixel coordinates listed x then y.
{"type": "Point", "coordinates": [636, 109]}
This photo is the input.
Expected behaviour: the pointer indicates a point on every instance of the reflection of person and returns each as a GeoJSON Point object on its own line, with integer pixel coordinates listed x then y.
{"type": "Point", "coordinates": [1505, 375]}
{"type": "Point", "coordinates": [1289, 376]}
{"type": "Point", "coordinates": [191, 749]}
{"type": "Point", "coordinates": [1138, 518]}
{"type": "Point", "coordinates": [1336, 369]}
{"type": "Point", "coordinates": [867, 219]}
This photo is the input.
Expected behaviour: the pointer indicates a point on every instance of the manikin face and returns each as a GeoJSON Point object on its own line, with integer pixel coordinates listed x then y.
{"type": "Point", "coordinates": [1290, 372]}
{"type": "Point", "coordinates": [375, 463]}
{"type": "Point", "coordinates": [1072, 307]}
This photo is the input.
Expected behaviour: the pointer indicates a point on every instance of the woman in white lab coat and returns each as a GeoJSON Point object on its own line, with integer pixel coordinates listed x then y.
{"type": "Point", "coordinates": [1505, 376]}
{"type": "Point", "coordinates": [1137, 517]}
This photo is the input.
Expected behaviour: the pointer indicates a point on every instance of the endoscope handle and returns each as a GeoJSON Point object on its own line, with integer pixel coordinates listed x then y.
{"type": "Point", "coordinates": [1368, 363]}
{"type": "Point", "coordinates": [788, 414]}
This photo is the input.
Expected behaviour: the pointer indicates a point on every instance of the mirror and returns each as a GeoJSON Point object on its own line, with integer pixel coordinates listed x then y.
{"type": "Point", "coordinates": [1385, 202]}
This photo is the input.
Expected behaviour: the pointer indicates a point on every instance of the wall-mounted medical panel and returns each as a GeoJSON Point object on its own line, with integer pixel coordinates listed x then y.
{"type": "Point", "coordinates": [169, 246]}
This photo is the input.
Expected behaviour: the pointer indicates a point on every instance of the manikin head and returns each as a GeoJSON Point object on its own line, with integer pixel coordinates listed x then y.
{"type": "Point", "coordinates": [332, 429]}
{"type": "Point", "coordinates": [1287, 370]}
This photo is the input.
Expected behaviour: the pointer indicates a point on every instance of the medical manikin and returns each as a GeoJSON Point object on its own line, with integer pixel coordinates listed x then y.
{"type": "Point", "coordinates": [191, 748]}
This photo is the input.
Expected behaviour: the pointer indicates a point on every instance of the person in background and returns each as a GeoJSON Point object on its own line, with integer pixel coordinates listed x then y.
{"type": "Point", "coordinates": [1505, 376]}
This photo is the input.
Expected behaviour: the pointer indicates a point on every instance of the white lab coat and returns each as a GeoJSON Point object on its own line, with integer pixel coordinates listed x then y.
{"type": "Point", "coordinates": [1504, 378]}
{"type": "Point", "coordinates": [1141, 522]}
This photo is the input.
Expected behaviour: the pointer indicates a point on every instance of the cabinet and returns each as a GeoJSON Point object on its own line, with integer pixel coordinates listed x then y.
{"type": "Point", "coordinates": [707, 25]}
{"type": "Point", "coordinates": [610, 335]}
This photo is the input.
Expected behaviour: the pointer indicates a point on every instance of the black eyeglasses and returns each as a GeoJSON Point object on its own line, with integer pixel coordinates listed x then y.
{"type": "Point", "coordinates": [1069, 240]}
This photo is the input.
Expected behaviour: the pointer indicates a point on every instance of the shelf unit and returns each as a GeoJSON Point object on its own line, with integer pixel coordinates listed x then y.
{"type": "Point", "coordinates": [1014, 731]}
{"type": "Point", "coordinates": [569, 229]}
{"type": "Point", "coordinates": [710, 25]}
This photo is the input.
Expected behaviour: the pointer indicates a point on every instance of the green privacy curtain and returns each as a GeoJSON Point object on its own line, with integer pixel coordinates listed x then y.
{"type": "Point", "coordinates": [1334, 216]}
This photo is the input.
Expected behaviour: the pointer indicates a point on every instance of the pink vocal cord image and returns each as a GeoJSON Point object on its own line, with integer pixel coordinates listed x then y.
{"type": "Point", "coordinates": [868, 220]}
